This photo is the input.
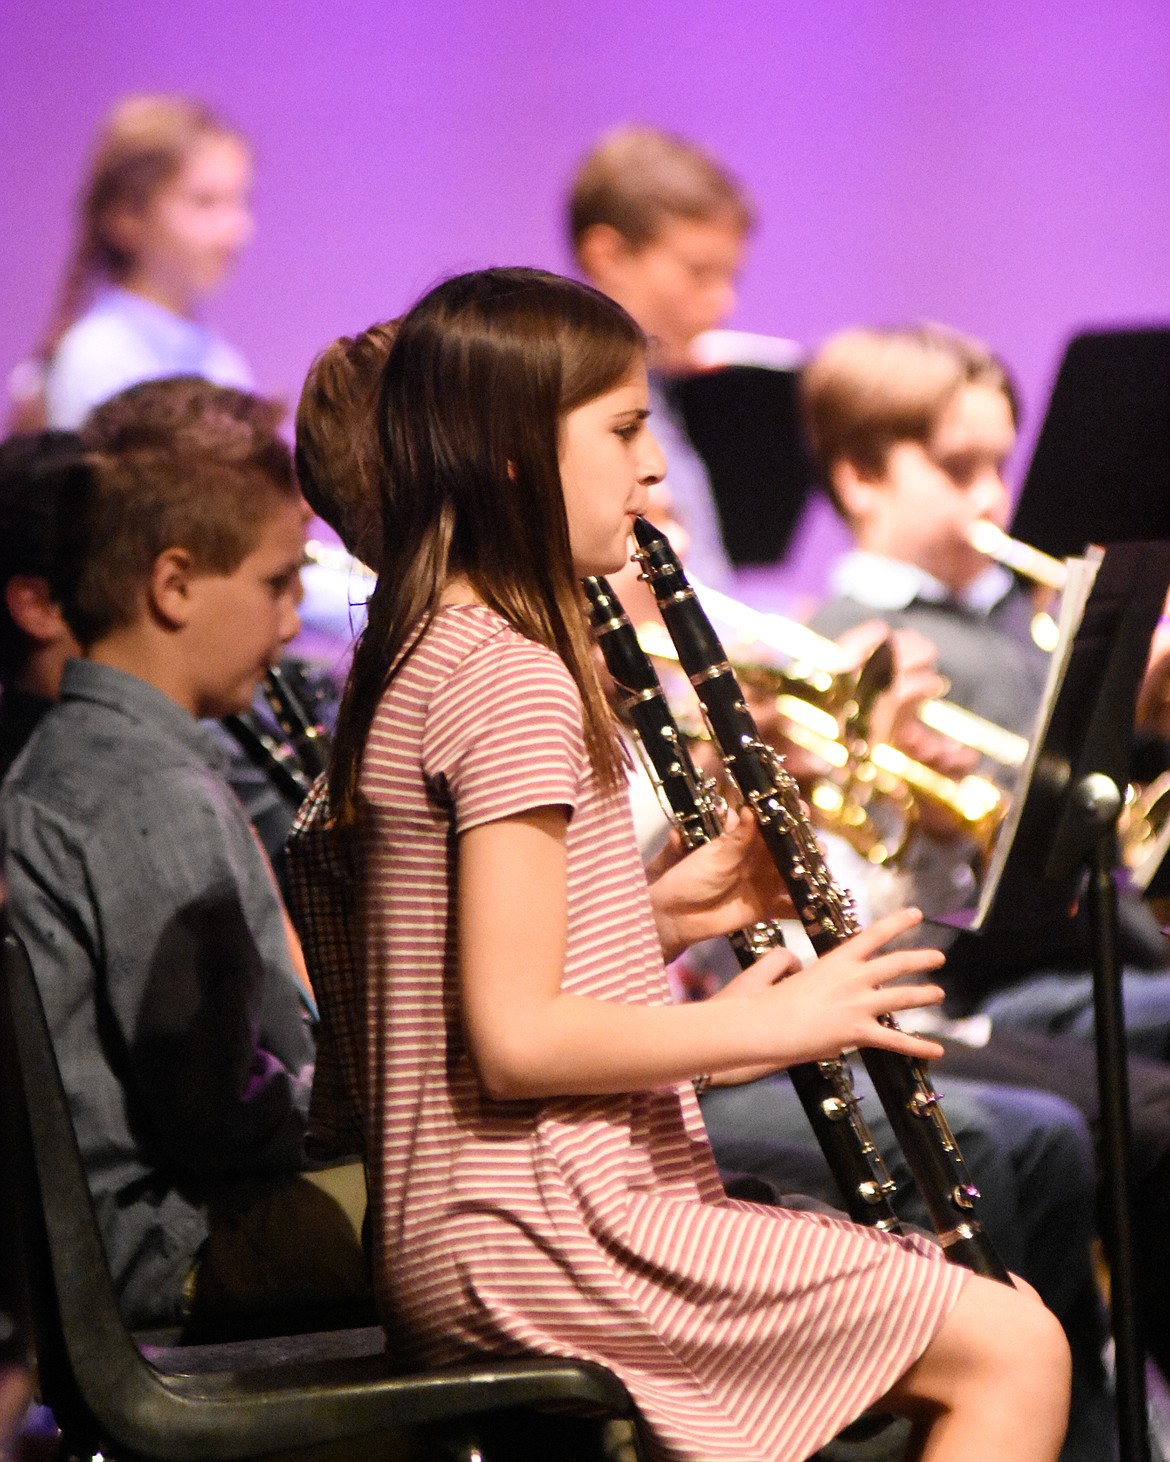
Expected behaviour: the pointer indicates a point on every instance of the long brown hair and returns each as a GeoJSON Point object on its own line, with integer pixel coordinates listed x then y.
{"type": "Point", "coordinates": [477, 382]}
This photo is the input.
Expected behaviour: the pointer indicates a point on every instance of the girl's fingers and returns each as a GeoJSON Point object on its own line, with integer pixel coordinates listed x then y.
{"type": "Point", "coordinates": [733, 822]}
{"type": "Point", "coordinates": [776, 965]}
{"type": "Point", "coordinates": [881, 931]}
{"type": "Point", "coordinates": [919, 1048]}
{"type": "Point", "coordinates": [909, 997]}
{"type": "Point", "coordinates": [885, 967]}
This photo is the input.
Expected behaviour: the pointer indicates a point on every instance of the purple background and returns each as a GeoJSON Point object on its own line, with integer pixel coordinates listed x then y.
{"type": "Point", "coordinates": [1004, 167]}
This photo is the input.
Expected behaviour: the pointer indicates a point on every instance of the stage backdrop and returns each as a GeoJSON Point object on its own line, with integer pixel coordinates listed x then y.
{"type": "Point", "coordinates": [1001, 167]}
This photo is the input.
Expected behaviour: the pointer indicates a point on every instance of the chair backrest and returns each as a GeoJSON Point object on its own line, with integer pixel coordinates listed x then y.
{"type": "Point", "coordinates": [83, 1346]}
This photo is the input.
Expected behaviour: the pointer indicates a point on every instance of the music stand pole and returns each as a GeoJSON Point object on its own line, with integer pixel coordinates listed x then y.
{"type": "Point", "coordinates": [1098, 798]}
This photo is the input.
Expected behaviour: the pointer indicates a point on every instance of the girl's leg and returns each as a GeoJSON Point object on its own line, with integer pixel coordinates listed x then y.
{"type": "Point", "coordinates": [994, 1381]}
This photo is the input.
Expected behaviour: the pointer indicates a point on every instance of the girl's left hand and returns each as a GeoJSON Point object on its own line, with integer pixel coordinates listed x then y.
{"type": "Point", "coordinates": [776, 965]}
{"type": "Point", "coordinates": [727, 884]}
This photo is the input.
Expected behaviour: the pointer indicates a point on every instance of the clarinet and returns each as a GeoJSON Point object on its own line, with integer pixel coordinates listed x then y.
{"type": "Point", "coordinates": [826, 910]}
{"type": "Point", "coordinates": [307, 738]}
{"type": "Point", "coordinates": [294, 761]}
{"type": "Point", "coordinates": [825, 1088]}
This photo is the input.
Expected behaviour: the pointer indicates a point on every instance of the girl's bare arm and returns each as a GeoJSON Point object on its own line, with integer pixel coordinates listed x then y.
{"type": "Point", "coordinates": [528, 1038]}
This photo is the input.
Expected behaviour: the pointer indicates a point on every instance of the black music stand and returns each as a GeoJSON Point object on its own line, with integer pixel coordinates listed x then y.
{"type": "Point", "coordinates": [744, 421]}
{"type": "Point", "coordinates": [1100, 472]}
{"type": "Point", "coordinates": [1059, 843]}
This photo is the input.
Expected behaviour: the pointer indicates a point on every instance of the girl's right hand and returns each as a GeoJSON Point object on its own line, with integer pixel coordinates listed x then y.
{"type": "Point", "coordinates": [834, 1004]}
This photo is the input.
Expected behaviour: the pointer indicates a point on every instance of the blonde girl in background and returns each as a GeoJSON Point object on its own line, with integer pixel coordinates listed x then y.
{"type": "Point", "coordinates": [164, 211]}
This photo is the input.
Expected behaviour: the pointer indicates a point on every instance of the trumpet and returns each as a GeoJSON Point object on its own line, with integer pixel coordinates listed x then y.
{"type": "Point", "coordinates": [817, 698]}
{"type": "Point", "coordinates": [1022, 558]}
{"type": "Point", "coordinates": [798, 656]}
{"type": "Point", "coordinates": [1048, 574]}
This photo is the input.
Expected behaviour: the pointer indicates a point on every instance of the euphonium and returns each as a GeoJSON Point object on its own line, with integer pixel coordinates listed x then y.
{"type": "Point", "coordinates": [825, 909]}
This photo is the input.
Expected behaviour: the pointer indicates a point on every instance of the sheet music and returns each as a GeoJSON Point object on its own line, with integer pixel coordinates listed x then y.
{"type": "Point", "coordinates": [1082, 573]}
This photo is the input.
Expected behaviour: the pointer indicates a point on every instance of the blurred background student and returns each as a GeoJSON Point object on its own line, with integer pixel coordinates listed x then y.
{"type": "Point", "coordinates": [163, 212]}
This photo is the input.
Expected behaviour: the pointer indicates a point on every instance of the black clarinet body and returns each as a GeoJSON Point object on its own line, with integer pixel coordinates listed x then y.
{"type": "Point", "coordinates": [826, 910]}
{"type": "Point", "coordinates": [298, 754]}
{"type": "Point", "coordinates": [307, 738]}
{"type": "Point", "coordinates": [825, 1088]}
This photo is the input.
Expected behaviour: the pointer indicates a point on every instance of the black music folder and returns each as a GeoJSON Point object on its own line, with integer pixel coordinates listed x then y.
{"type": "Point", "coordinates": [1100, 472]}
{"type": "Point", "coordinates": [1084, 725]}
{"type": "Point", "coordinates": [744, 421]}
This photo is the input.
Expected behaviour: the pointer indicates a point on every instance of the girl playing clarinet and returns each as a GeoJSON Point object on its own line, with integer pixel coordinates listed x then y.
{"type": "Point", "coordinates": [540, 1179]}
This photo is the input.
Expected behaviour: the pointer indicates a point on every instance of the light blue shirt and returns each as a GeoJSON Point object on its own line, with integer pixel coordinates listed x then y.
{"type": "Point", "coordinates": [123, 339]}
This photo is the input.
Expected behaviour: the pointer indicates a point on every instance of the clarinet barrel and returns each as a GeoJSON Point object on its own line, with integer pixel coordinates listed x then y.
{"type": "Point", "coordinates": [826, 910]}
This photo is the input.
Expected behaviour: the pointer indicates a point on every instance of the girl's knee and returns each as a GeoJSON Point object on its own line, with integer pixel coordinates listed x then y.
{"type": "Point", "coordinates": [996, 1337]}
{"type": "Point", "coordinates": [1014, 1334]}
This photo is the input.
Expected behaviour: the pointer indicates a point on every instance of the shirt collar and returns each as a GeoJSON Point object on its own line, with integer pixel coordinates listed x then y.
{"type": "Point", "coordinates": [167, 331]}
{"type": "Point", "coordinates": [86, 680]}
{"type": "Point", "coordinates": [886, 584]}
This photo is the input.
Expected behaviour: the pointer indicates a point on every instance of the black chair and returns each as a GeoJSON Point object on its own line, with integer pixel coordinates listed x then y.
{"type": "Point", "coordinates": [242, 1399]}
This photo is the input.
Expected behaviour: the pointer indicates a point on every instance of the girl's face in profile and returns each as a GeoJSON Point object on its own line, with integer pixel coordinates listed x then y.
{"type": "Point", "coordinates": [191, 229]}
{"type": "Point", "coordinates": [609, 460]}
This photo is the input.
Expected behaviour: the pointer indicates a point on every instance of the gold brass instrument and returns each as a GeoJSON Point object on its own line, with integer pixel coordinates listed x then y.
{"type": "Point", "coordinates": [869, 793]}
{"type": "Point", "coordinates": [1143, 829]}
{"type": "Point", "coordinates": [1021, 558]}
{"type": "Point", "coordinates": [1047, 573]}
{"type": "Point", "coordinates": [814, 660]}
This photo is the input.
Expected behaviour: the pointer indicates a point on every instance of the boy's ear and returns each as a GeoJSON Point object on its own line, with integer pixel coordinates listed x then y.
{"type": "Point", "coordinates": [33, 609]}
{"type": "Point", "coordinates": [854, 488]}
{"type": "Point", "coordinates": [168, 590]}
{"type": "Point", "coordinates": [602, 251]}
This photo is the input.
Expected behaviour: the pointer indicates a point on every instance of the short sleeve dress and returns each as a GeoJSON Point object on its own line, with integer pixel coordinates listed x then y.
{"type": "Point", "coordinates": [593, 1227]}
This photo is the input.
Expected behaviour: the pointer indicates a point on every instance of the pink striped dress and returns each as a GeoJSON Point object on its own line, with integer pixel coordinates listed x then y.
{"type": "Point", "coordinates": [592, 1227]}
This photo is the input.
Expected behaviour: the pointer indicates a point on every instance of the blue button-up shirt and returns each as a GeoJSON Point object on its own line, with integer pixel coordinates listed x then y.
{"type": "Point", "coordinates": [158, 944]}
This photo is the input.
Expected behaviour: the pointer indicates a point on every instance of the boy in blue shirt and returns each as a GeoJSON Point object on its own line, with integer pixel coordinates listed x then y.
{"type": "Point", "coordinates": [159, 942]}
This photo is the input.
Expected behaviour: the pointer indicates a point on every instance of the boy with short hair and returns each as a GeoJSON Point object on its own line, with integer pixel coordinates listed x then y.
{"type": "Point", "coordinates": [661, 227]}
{"type": "Point", "coordinates": [193, 416]}
{"type": "Point", "coordinates": [910, 430]}
{"type": "Point", "coordinates": [35, 641]}
{"type": "Point", "coordinates": [157, 936]}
